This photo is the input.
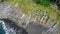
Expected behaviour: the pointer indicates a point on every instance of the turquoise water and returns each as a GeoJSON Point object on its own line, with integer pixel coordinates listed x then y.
{"type": "Point", "coordinates": [1, 29]}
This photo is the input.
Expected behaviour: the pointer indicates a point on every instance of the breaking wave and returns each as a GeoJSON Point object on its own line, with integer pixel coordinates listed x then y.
{"type": "Point", "coordinates": [11, 28]}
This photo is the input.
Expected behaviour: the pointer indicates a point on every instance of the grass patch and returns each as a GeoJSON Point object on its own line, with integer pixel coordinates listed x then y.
{"type": "Point", "coordinates": [27, 5]}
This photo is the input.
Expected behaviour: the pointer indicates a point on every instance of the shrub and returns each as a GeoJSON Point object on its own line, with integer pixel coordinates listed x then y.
{"type": "Point", "coordinates": [42, 2]}
{"type": "Point", "coordinates": [57, 2]}
{"type": "Point", "coordinates": [1, 0]}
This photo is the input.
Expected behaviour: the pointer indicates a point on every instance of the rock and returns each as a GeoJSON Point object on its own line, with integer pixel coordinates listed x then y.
{"type": "Point", "coordinates": [13, 13]}
{"type": "Point", "coordinates": [35, 28]}
{"type": "Point", "coordinates": [4, 10]}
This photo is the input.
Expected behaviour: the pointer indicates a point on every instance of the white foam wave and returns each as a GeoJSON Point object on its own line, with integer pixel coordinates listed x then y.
{"type": "Point", "coordinates": [7, 29]}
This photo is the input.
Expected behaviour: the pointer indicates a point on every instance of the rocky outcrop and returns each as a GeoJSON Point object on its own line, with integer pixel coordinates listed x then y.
{"type": "Point", "coordinates": [39, 26]}
{"type": "Point", "coordinates": [13, 13]}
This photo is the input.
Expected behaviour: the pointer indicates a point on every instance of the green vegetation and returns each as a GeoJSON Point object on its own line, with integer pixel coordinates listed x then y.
{"type": "Point", "coordinates": [1, 0]}
{"type": "Point", "coordinates": [56, 2]}
{"type": "Point", "coordinates": [34, 6]}
{"type": "Point", "coordinates": [47, 2]}
{"type": "Point", "coordinates": [43, 2]}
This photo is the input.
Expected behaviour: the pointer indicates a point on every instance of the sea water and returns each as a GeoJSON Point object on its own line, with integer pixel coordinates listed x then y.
{"type": "Point", "coordinates": [8, 27]}
{"type": "Point", "coordinates": [1, 29]}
